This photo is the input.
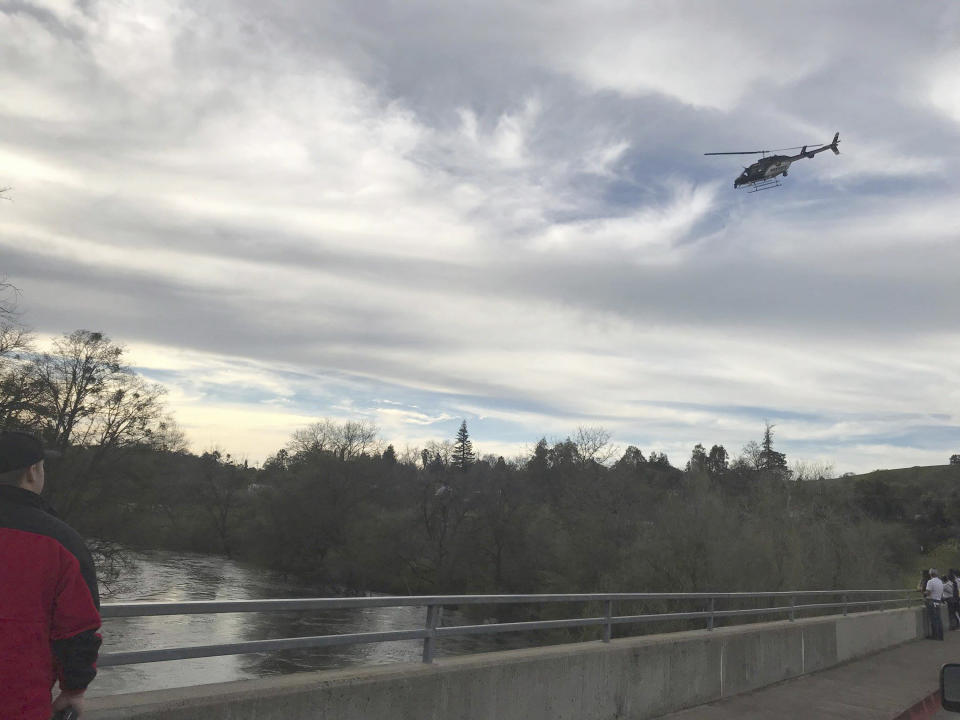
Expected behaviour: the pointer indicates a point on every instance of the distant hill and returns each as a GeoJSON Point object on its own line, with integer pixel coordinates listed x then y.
{"type": "Point", "coordinates": [922, 500]}
{"type": "Point", "coordinates": [930, 475]}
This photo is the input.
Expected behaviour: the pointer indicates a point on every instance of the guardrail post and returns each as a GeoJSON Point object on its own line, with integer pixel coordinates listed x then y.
{"type": "Point", "coordinates": [844, 604]}
{"type": "Point", "coordinates": [430, 641]}
{"type": "Point", "coordinates": [793, 608]}
{"type": "Point", "coordinates": [607, 625]}
{"type": "Point", "coordinates": [713, 608]}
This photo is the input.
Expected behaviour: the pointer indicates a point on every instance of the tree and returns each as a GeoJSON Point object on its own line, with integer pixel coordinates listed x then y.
{"type": "Point", "coordinates": [659, 459]}
{"type": "Point", "coordinates": [389, 456]}
{"type": "Point", "coordinates": [593, 444]}
{"type": "Point", "coordinates": [439, 454]}
{"type": "Point", "coordinates": [16, 388]}
{"type": "Point", "coordinates": [771, 460]}
{"type": "Point", "coordinates": [500, 527]}
{"type": "Point", "coordinates": [813, 470]}
{"type": "Point", "coordinates": [355, 438]}
{"type": "Point", "coordinates": [698, 459]}
{"type": "Point", "coordinates": [346, 440]}
{"type": "Point", "coordinates": [955, 459]}
{"type": "Point", "coordinates": [13, 336]}
{"type": "Point", "coordinates": [717, 461]}
{"type": "Point", "coordinates": [463, 456]}
{"type": "Point", "coordinates": [878, 499]}
{"type": "Point", "coordinates": [316, 437]}
{"type": "Point", "coordinates": [74, 381]}
{"type": "Point", "coordinates": [219, 488]}
{"type": "Point", "coordinates": [752, 456]}
{"type": "Point", "coordinates": [278, 462]}
{"type": "Point", "coordinates": [90, 405]}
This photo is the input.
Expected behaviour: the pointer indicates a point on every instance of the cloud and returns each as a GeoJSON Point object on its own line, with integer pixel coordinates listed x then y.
{"type": "Point", "coordinates": [496, 211]}
{"type": "Point", "coordinates": [945, 86]}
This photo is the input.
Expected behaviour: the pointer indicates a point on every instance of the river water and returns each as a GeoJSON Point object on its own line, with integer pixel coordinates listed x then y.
{"type": "Point", "coordinates": [176, 576]}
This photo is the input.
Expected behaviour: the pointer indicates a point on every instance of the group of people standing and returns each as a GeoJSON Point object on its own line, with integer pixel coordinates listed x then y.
{"type": "Point", "coordinates": [938, 592]}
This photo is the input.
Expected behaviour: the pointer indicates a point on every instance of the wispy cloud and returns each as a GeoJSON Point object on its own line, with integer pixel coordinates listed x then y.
{"type": "Point", "coordinates": [500, 213]}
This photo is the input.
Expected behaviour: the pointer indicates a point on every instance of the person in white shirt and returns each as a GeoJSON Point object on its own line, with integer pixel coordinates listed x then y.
{"type": "Point", "coordinates": [934, 596]}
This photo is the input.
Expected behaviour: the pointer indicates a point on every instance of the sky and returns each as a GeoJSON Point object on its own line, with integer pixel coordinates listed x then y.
{"type": "Point", "coordinates": [417, 213]}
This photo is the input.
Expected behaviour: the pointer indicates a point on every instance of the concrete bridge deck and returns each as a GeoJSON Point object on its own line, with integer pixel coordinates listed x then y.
{"type": "Point", "coordinates": [883, 686]}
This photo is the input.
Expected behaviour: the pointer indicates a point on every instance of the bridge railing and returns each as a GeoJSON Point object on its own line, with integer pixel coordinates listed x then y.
{"type": "Point", "coordinates": [434, 630]}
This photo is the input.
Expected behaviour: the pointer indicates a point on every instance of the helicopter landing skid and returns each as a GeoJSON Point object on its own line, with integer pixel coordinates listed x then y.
{"type": "Point", "coordinates": [764, 185]}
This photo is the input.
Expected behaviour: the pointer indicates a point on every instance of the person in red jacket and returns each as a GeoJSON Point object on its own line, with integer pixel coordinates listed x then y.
{"type": "Point", "coordinates": [49, 603]}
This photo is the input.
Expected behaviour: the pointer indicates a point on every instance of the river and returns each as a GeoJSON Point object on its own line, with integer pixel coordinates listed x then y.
{"type": "Point", "coordinates": [177, 576]}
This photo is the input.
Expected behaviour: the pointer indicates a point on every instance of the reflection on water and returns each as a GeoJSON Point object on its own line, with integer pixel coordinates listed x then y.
{"type": "Point", "coordinates": [175, 577]}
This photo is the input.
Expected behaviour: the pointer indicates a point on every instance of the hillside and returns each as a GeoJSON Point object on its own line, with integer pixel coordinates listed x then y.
{"type": "Point", "coordinates": [918, 476]}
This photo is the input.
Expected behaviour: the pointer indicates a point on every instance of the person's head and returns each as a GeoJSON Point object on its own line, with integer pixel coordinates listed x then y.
{"type": "Point", "coordinates": [933, 573]}
{"type": "Point", "coordinates": [21, 461]}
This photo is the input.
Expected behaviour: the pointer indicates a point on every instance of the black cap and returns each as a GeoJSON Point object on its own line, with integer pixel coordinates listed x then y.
{"type": "Point", "coordinates": [19, 450]}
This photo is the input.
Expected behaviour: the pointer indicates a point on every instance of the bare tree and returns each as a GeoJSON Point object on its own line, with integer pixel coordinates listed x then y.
{"type": "Point", "coordinates": [91, 406]}
{"type": "Point", "coordinates": [316, 437]}
{"type": "Point", "coordinates": [13, 336]}
{"type": "Point", "coordinates": [17, 389]}
{"type": "Point", "coordinates": [442, 450]}
{"type": "Point", "coordinates": [813, 470]}
{"type": "Point", "coordinates": [752, 455]}
{"type": "Point", "coordinates": [356, 438]}
{"type": "Point", "coordinates": [593, 443]}
{"type": "Point", "coordinates": [128, 414]}
{"type": "Point", "coordinates": [168, 436]}
{"type": "Point", "coordinates": [76, 381]}
{"type": "Point", "coordinates": [8, 299]}
{"type": "Point", "coordinates": [346, 440]}
{"type": "Point", "coordinates": [18, 396]}
{"type": "Point", "coordinates": [113, 564]}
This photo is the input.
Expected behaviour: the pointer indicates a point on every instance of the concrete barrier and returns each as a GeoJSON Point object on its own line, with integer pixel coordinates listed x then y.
{"type": "Point", "coordinates": [629, 678]}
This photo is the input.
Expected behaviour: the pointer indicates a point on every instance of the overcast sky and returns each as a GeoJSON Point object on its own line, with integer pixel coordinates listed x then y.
{"type": "Point", "coordinates": [422, 212]}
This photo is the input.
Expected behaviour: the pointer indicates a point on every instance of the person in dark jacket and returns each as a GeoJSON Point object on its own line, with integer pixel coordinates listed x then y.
{"type": "Point", "coordinates": [953, 601]}
{"type": "Point", "coordinates": [49, 602]}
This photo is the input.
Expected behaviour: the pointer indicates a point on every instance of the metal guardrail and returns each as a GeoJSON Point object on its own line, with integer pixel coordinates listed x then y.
{"type": "Point", "coordinates": [433, 629]}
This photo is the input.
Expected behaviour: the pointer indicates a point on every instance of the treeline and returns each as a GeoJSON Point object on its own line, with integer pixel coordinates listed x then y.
{"type": "Point", "coordinates": [557, 521]}
{"type": "Point", "coordinates": [338, 508]}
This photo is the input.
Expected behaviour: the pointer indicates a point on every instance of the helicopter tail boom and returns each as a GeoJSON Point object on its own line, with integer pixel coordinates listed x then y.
{"type": "Point", "coordinates": [804, 153]}
{"type": "Point", "coordinates": [833, 145]}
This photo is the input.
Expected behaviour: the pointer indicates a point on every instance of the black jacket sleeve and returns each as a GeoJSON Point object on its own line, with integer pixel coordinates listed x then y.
{"type": "Point", "coordinates": [77, 659]}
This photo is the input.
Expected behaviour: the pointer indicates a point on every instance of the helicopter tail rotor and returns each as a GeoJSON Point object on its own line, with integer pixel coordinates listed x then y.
{"type": "Point", "coordinates": [833, 145]}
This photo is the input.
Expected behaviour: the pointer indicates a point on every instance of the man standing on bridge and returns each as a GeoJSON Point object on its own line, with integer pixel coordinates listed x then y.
{"type": "Point", "coordinates": [49, 603]}
{"type": "Point", "coordinates": [934, 595]}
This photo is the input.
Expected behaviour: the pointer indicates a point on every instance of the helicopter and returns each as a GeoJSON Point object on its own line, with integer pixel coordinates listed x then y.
{"type": "Point", "coordinates": [765, 173]}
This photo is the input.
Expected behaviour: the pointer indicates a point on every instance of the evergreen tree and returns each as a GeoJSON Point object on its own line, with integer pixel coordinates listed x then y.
{"type": "Point", "coordinates": [463, 456]}
{"type": "Point", "coordinates": [390, 456]}
{"type": "Point", "coordinates": [770, 459]}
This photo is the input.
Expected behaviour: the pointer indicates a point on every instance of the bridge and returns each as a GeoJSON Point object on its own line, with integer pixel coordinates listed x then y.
{"type": "Point", "coordinates": [797, 654]}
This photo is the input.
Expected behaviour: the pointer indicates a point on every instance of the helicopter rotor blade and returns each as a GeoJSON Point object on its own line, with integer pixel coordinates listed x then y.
{"type": "Point", "coordinates": [798, 147]}
{"type": "Point", "coordinates": [763, 152]}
